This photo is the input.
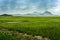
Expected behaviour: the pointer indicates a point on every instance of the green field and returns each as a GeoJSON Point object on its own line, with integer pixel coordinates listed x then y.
{"type": "Point", "coordinates": [41, 26]}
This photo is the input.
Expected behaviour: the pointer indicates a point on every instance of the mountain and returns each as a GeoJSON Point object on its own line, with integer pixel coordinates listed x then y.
{"type": "Point", "coordinates": [47, 13]}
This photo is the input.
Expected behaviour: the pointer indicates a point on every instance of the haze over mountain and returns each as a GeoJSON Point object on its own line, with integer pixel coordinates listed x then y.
{"type": "Point", "coordinates": [29, 6]}
{"type": "Point", "coordinates": [46, 13]}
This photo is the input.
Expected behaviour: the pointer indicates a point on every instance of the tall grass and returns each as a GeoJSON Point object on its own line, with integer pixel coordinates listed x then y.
{"type": "Point", "coordinates": [42, 26]}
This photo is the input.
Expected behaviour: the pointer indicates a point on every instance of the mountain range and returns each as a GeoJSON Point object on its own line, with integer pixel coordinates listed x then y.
{"type": "Point", "coordinates": [46, 13]}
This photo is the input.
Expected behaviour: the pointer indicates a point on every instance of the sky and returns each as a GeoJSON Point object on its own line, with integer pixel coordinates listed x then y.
{"type": "Point", "coordinates": [29, 6]}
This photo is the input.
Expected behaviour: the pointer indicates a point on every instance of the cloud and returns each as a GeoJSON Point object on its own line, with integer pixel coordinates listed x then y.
{"type": "Point", "coordinates": [29, 6]}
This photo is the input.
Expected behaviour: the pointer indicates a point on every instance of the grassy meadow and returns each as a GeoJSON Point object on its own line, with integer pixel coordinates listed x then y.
{"type": "Point", "coordinates": [40, 26]}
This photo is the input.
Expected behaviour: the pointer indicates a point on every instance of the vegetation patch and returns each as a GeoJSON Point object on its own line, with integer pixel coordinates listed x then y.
{"type": "Point", "coordinates": [47, 27]}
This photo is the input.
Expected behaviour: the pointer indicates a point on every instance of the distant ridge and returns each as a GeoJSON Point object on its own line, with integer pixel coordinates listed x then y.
{"type": "Point", "coordinates": [46, 13]}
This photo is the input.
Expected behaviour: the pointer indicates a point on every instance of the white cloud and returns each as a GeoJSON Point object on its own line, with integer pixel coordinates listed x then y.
{"type": "Point", "coordinates": [23, 7]}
